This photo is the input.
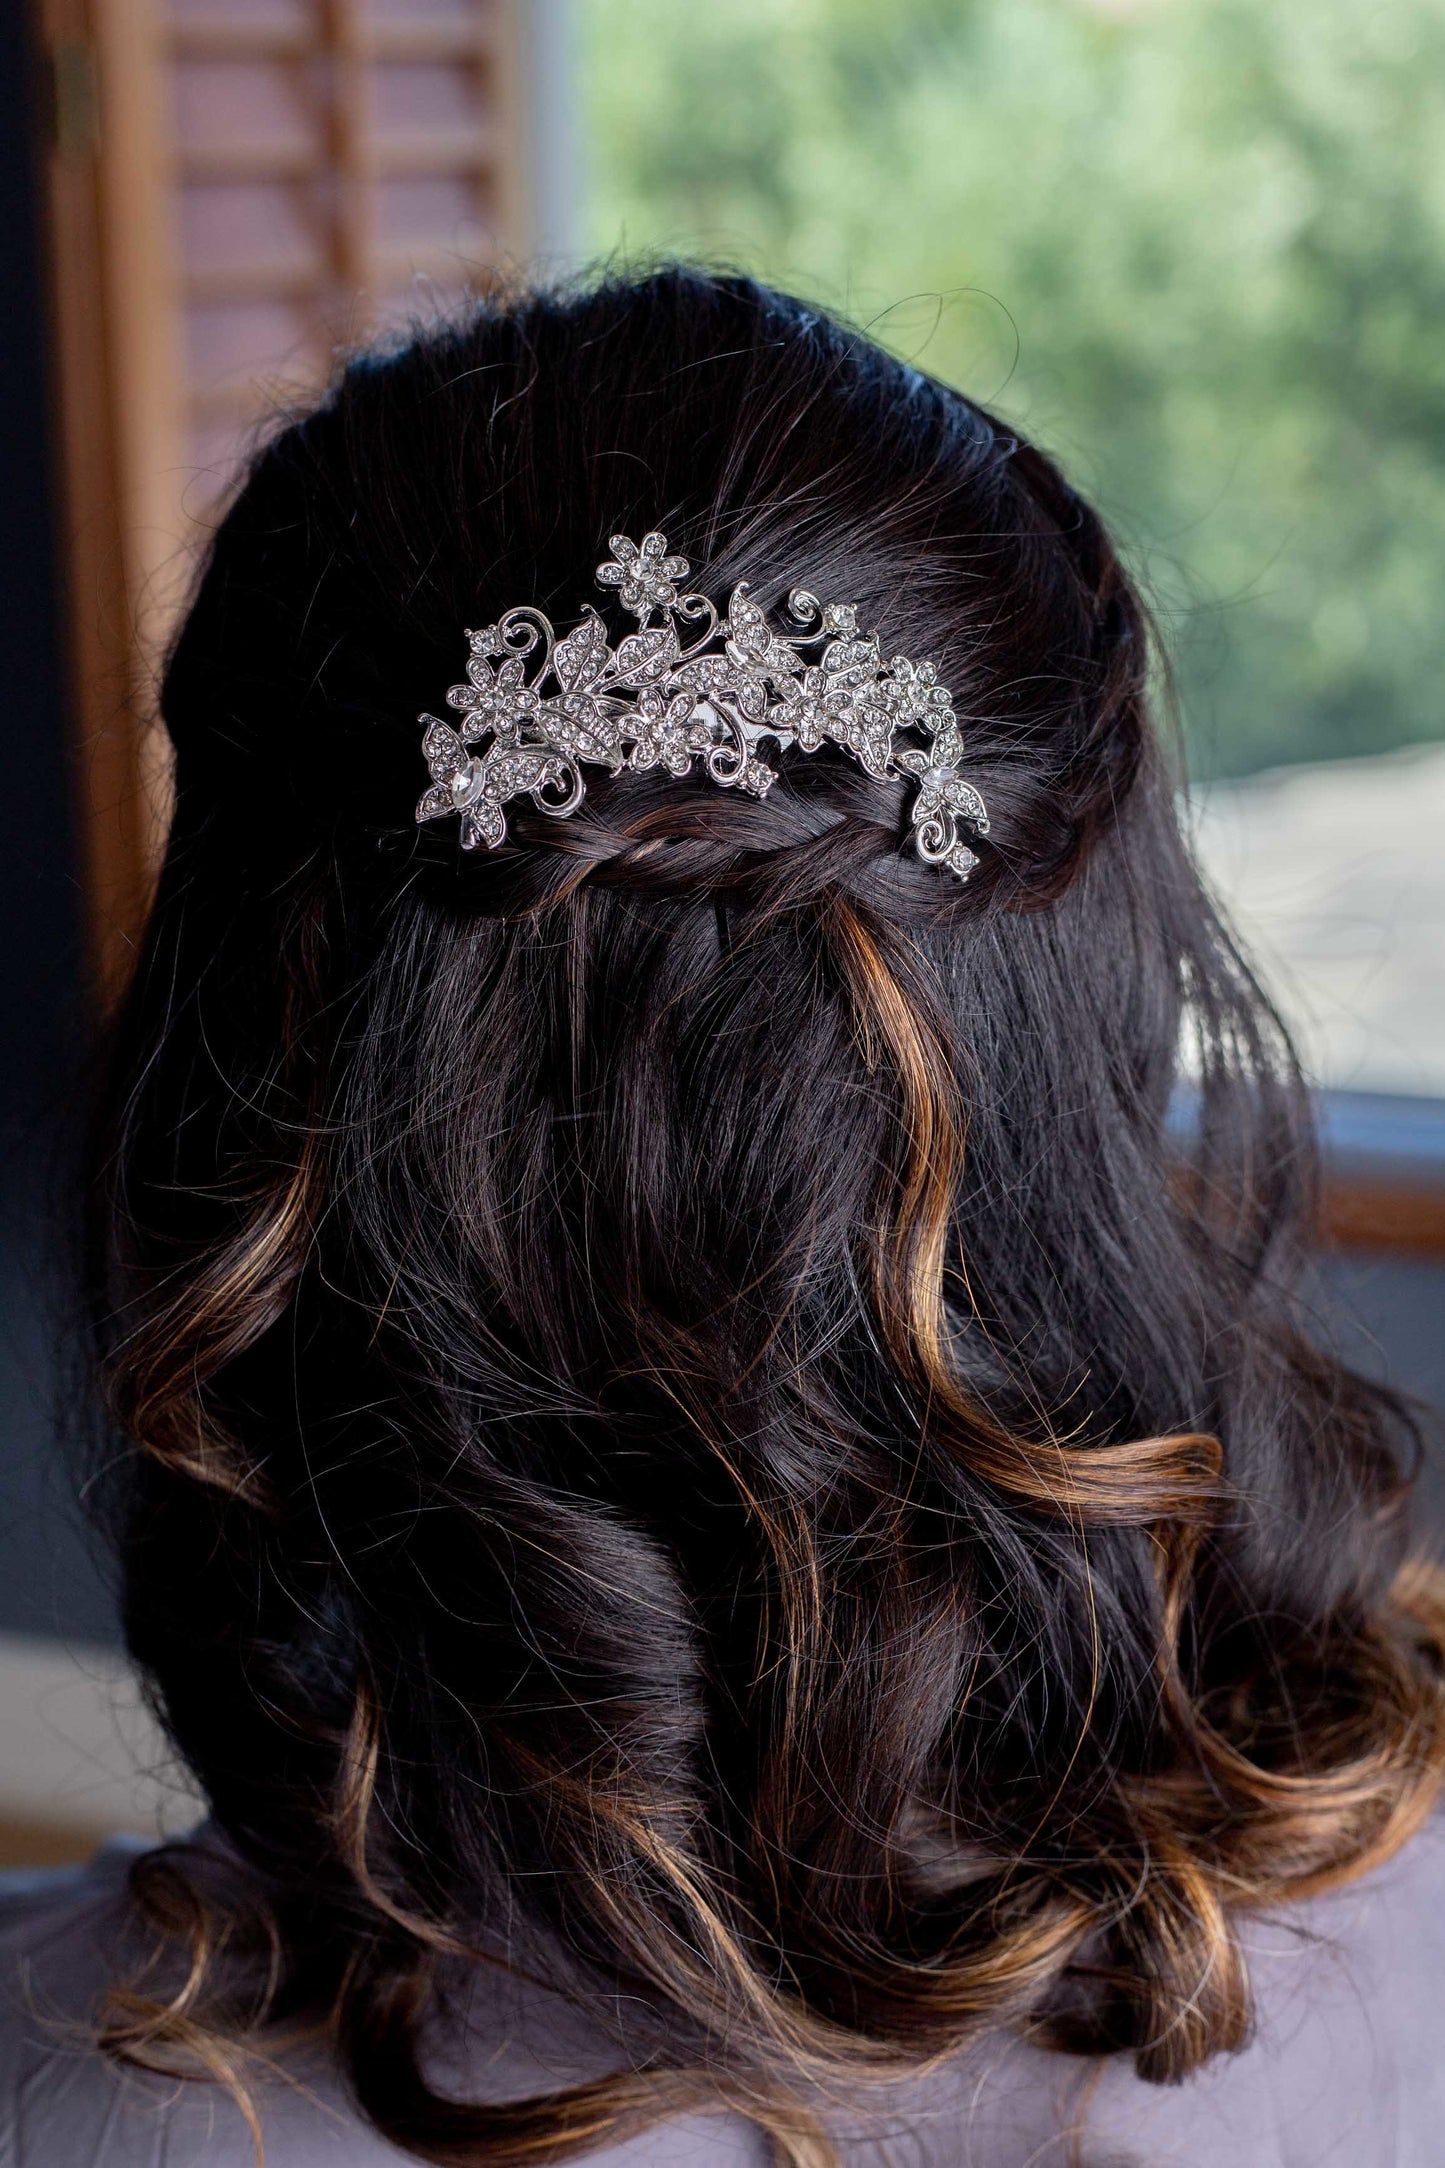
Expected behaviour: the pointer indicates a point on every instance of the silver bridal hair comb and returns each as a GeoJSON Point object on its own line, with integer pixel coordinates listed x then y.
{"type": "Point", "coordinates": [662, 699]}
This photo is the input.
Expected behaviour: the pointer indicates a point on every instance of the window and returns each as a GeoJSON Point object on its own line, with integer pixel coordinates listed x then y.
{"type": "Point", "coordinates": [1197, 247]}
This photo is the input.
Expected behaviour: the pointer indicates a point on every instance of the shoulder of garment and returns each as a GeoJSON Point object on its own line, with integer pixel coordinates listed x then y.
{"type": "Point", "coordinates": [63, 2104]}
{"type": "Point", "coordinates": [1345, 2068]}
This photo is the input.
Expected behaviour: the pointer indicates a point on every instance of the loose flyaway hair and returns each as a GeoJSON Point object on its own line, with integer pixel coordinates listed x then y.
{"type": "Point", "coordinates": [682, 1396]}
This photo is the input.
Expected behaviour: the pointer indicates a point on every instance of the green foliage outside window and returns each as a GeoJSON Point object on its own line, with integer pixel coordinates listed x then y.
{"type": "Point", "coordinates": [1197, 247]}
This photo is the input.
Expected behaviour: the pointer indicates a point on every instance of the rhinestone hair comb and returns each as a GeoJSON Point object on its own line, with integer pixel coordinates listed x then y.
{"type": "Point", "coordinates": [660, 698]}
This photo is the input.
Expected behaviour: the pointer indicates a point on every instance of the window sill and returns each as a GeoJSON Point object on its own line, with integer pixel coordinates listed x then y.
{"type": "Point", "coordinates": [1384, 1172]}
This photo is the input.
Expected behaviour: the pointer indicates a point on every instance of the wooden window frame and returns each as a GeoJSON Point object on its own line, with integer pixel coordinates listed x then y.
{"type": "Point", "coordinates": [116, 292]}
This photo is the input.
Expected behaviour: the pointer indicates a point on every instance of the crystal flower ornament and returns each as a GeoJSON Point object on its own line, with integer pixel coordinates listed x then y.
{"type": "Point", "coordinates": [645, 577]}
{"type": "Point", "coordinates": [693, 685]}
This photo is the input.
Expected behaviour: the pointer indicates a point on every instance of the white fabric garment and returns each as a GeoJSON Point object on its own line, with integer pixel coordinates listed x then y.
{"type": "Point", "coordinates": [1347, 2069]}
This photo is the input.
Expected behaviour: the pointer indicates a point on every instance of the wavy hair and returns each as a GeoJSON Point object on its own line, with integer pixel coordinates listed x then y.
{"type": "Point", "coordinates": [678, 1385]}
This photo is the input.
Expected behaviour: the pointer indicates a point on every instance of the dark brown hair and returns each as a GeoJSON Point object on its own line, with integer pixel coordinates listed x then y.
{"type": "Point", "coordinates": [682, 1380]}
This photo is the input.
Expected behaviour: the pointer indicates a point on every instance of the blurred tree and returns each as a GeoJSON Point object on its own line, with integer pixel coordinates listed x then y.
{"type": "Point", "coordinates": [1196, 246]}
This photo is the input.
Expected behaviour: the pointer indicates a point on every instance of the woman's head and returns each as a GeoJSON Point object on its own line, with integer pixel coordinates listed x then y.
{"type": "Point", "coordinates": [678, 1375]}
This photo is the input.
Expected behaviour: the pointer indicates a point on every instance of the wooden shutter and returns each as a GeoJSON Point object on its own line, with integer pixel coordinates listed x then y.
{"type": "Point", "coordinates": [238, 187]}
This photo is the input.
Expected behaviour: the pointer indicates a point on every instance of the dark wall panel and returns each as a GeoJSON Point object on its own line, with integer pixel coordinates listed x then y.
{"type": "Point", "coordinates": [47, 1581]}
